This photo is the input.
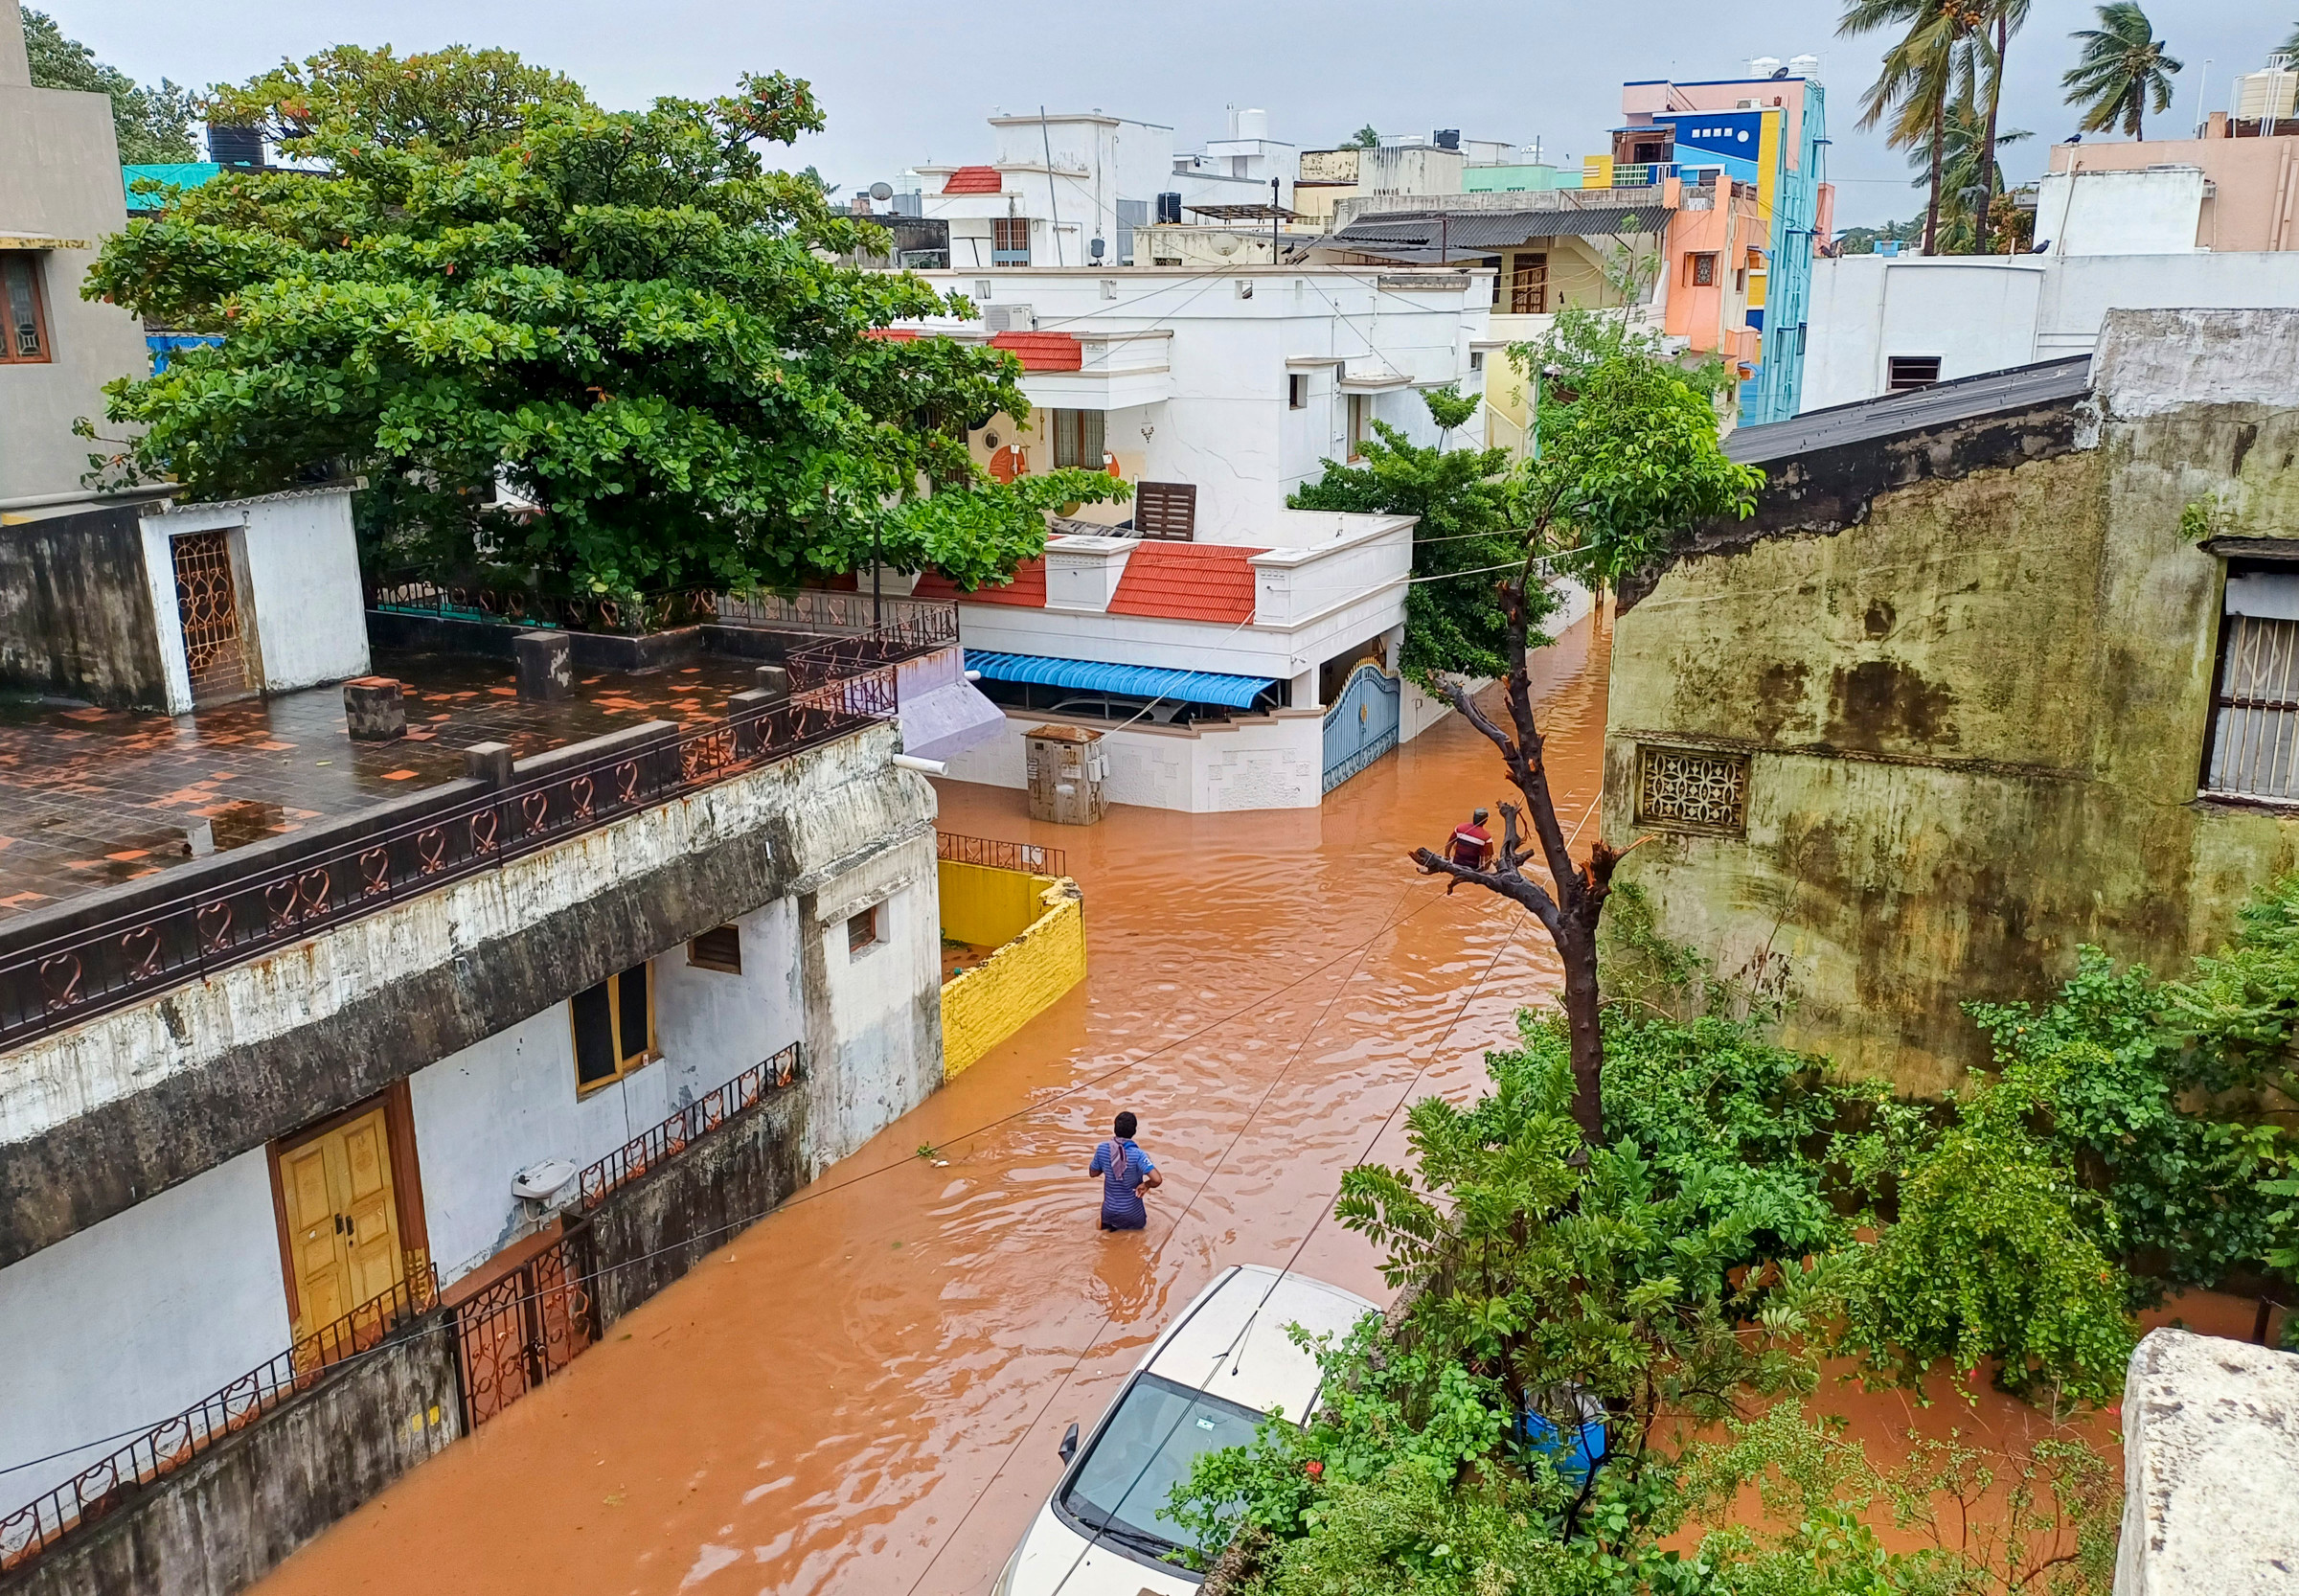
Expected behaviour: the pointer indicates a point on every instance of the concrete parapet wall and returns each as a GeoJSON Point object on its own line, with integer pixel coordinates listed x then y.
{"type": "Point", "coordinates": [1030, 969]}
{"type": "Point", "coordinates": [235, 1512]}
{"type": "Point", "coordinates": [2211, 1468]}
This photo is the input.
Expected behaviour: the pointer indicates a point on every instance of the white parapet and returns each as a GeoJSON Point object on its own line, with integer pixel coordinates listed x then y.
{"type": "Point", "coordinates": [2211, 1468]}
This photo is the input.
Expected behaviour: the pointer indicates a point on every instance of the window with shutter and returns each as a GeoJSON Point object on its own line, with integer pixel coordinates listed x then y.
{"type": "Point", "coordinates": [24, 333]}
{"type": "Point", "coordinates": [2255, 711]}
{"type": "Point", "coordinates": [1529, 286]}
{"type": "Point", "coordinates": [613, 1024]}
{"type": "Point", "coordinates": [719, 949]}
{"type": "Point", "coordinates": [1167, 509]}
{"type": "Point", "coordinates": [1010, 241]}
{"type": "Point", "coordinates": [1078, 438]}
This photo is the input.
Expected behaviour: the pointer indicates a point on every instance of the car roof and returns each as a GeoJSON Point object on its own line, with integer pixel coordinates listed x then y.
{"type": "Point", "coordinates": [1263, 1369]}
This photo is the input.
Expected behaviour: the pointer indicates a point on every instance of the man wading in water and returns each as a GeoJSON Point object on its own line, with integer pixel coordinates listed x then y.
{"type": "Point", "coordinates": [1125, 1172]}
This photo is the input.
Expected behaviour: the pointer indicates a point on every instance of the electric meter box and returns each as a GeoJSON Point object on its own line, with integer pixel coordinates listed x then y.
{"type": "Point", "coordinates": [1068, 772]}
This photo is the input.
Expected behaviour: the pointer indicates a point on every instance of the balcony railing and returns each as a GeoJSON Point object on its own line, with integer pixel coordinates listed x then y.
{"type": "Point", "coordinates": [1641, 174]}
{"type": "Point", "coordinates": [89, 971]}
{"type": "Point", "coordinates": [817, 609]}
{"type": "Point", "coordinates": [173, 1442]}
{"type": "Point", "coordinates": [1035, 858]}
{"type": "Point", "coordinates": [410, 593]}
{"type": "Point", "coordinates": [690, 1124]}
{"type": "Point", "coordinates": [905, 631]}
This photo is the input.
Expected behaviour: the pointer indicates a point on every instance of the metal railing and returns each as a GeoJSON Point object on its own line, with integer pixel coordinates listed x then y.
{"type": "Point", "coordinates": [173, 1442]}
{"type": "Point", "coordinates": [1034, 857]}
{"type": "Point", "coordinates": [411, 593]}
{"type": "Point", "coordinates": [682, 1130]}
{"type": "Point", "coordinates": [817, 609]}
{"type": "Point", "coordinates": [515, 1333]}
{"type": "Point", "coordinates": [86, 972]}
{"type": "Point", "coordinates": [907, 634]}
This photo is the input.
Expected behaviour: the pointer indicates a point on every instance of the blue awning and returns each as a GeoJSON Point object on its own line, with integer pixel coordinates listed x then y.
{"type": "Point", "coordinates": [1142, 681]}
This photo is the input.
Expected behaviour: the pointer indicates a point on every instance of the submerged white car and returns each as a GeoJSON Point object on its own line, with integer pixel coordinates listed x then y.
{"type": "Point", "coordinates": [1207, 1383]}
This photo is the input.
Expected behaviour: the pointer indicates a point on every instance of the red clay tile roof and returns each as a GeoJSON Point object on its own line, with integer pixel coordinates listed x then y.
{"type": "Point", "coordinates": [974, 180]}
{"type": "Point", "coordinates": [1187, 582]}
{"type": "Point", "coordinates": [1028, 588]}
{"type": "Point", "coordinates": [1043, 352]}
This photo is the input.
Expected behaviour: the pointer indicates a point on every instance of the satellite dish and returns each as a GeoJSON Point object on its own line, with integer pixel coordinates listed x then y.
{"type": "Point", "coordinates": [881, 191]}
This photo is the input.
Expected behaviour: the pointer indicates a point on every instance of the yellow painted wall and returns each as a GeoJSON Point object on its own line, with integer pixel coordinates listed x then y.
{"type": "Point", "coordinates": [1037, 925]}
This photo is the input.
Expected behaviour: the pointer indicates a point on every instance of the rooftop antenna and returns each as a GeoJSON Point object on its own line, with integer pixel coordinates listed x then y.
{"type": "Point", "coordinates": [2202, 78]}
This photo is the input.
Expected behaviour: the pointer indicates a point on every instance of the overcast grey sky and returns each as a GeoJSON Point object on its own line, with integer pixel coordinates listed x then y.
{"type": "Point", "coordinates": [905, 80]}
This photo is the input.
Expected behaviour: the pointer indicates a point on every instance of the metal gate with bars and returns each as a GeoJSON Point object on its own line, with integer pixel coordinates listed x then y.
{"type": "Point", "coordinates": [517, 1331]}
{"type": "Point", "coordinates": [2255, 713]}
{"type": "Point", "coordinates": [207, 598]}
{"type": "Point", "coordinates": [1362, 724]}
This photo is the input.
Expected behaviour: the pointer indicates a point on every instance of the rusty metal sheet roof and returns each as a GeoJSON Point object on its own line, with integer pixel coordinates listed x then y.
{"type": "Point", "coordinates": [1958, 399]}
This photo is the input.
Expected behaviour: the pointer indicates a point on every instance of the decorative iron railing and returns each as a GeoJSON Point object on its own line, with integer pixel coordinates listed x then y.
{"type": "Point", "coordinates": [1035, 858]}
{"type": "Point", "coordinates": [410, 593]}
{"type": "Point", "coordinates": [682, 1130]}
{"type": "Point", "coordinates": [931, 622]}
{"type": "Point", "coordinates": [173, 1442]}
{"type": "Point", "coordinates": [86, 972]}
{"type": "Point", "coordinates": [904, 632]}
{"type": "Point", "coordinates": [517, 1331]}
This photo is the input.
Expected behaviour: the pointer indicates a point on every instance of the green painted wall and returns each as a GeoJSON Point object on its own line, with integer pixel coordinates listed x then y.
{"type": "Point", "coordinates": [1974, 723]}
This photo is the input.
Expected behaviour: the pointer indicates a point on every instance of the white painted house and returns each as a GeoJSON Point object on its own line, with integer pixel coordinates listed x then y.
{"type": "Point", "coordinates": [2110, 240]}
{"type": "Point", "coordinates": [1236, 654]}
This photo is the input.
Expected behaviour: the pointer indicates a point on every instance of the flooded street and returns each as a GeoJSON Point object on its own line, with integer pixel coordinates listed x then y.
{"type": "Point", "coordinates": [877, 1375]}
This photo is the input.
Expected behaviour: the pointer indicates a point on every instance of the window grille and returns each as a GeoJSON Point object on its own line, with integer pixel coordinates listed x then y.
{"type": "Point", "coordinates": [24, 334]}
{"type": "Point", "coordinates": [1010, 241]}
{"type": "Point", "coordinates": [1701, 269]}
{"type": "Point", "coordinates": [208, 604]}
{"type": "Point", "coordinates": [1692, 790]}
{"type": "Point", "coordinates": [2255, 730]}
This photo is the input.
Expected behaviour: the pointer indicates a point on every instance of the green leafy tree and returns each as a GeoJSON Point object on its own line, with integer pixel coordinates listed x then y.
{"type": "Point", "coordinates": [625, 317]}
{"type": "Point", "coordinates": [1454, 624]}
{"type": "Point", "coordinates": [2123, 72]}
{"type": "Point", "coordinates": [1364, 137]}
{"type": "Point", "coordinates": [152, 124]}
{"type": "Point", "coordinates": [1995, 1257]}
{"type": "Point", "coordinates": [1629, 460]}
{"type": "Point", "coordinates": [456, 100]}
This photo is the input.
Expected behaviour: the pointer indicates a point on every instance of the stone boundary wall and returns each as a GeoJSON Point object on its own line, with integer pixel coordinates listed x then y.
{"type": "Point", "coordinates": [239, 1510]}
{"type": "Point", "coordinates": [984, 1006]}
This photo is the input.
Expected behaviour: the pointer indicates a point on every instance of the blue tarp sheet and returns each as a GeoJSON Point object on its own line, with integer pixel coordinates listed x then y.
{"type": "Point", "coordinates": [1144, 681]}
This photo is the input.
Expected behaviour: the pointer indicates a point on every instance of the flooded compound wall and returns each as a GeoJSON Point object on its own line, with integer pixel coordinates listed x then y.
{"type": "Point", "coordinates": [1937, 715]}
{"type": "Point", "coordinates": [1037, 925]}
{"type": "Point", "coordinates": [238, 1511]}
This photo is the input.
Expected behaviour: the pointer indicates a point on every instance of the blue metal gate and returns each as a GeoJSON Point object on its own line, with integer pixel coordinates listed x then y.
{"type": "Point", "coordinates": [1361, 727]}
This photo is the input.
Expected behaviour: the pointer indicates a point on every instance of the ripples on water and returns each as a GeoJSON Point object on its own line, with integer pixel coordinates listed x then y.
{"type": "Point", "coordinates": [816, 1406]}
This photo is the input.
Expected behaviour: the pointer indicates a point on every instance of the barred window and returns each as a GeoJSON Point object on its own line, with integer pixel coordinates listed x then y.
{"type": "Point", "coordinates": [2255, 711]}
{"type": "Point", "coordinates": [1690, 790]}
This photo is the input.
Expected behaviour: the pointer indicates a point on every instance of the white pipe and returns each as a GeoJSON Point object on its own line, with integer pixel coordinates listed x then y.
{"type": "Point", "coordinates": [91, 496]}
{"type": "Point", "coordinates": [924, 768]}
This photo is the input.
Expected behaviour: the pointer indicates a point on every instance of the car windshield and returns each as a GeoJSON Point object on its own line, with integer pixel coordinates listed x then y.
{"type": "Point", "coordinates": [1144, 1452]}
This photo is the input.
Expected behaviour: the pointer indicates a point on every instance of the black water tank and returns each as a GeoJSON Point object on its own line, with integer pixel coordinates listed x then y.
{"type": "Point", "coordinates": [235, 146]}
{"type": "Point", "coordinates": [1448, 138]}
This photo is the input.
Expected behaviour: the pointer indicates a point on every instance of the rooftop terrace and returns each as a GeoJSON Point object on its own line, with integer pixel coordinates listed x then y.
{"type": "Point", "coordinates": [91, 797]}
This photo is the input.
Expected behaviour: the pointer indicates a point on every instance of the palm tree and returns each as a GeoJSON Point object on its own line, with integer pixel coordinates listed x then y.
{"type": "Point", "coordinates": [2123, 72]}
{"type": "Point", "coordinates": [1920, 73]}
{"type": "Point", "coordinates": [1967, 177]}
{"type": "Point", "coordinates": [2005, 17]}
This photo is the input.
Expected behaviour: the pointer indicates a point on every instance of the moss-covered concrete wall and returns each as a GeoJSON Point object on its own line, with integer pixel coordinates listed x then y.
{"type": "Point", "coordinates": [1974, 718]}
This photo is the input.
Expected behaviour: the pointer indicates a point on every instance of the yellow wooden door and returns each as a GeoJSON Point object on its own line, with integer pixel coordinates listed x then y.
{"type": "Point", "coordinates": [343, 1226]}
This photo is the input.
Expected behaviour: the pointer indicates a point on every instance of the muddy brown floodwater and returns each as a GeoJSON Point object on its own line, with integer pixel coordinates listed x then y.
{"type": "Point", "coordinates": [864, 1392]}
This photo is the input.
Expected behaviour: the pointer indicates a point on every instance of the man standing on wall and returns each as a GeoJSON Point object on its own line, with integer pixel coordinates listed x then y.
{"type": "Point", "coordinates": [1125, 1172]}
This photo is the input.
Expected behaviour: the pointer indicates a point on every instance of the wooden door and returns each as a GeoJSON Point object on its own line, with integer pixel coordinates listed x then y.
{"type": "Point", "coordinates": [343, 1226]}
{"type": "Point", "coordinates": [1529, 286]}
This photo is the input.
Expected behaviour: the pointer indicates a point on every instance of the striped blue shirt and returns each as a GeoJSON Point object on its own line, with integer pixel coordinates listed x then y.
{"type": "Point", "coordinates": [1121, 1187]}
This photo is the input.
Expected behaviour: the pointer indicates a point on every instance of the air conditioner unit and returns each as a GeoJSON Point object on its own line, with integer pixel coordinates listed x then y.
{"type": "Point", "coordinates": [1745, 105]}
{"type": "Point", "coordinates": [1009, 318]}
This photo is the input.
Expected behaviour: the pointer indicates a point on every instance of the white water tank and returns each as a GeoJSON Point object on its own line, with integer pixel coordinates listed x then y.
{"type": "Point", "coordinates": [2268, 93]}
{"type": "Point", "coordinates": [1763, 66]}
{"type": "Point", "coordinates": [1803, 66]}
{"type": "Point", "coordinates": [1252, 124]}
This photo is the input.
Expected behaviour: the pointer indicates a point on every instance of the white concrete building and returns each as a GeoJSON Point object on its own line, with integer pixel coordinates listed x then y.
{"type": "Point", "coordinates": [1053, 185]}
{"type": "Point", "coordinates": [1238, 654]}
{"type": "Point", "coordinates": [2111, 240]}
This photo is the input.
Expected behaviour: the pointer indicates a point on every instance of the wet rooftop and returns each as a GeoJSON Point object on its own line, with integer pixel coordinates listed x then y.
{"type": "Point", "coordinates": [90, 796]}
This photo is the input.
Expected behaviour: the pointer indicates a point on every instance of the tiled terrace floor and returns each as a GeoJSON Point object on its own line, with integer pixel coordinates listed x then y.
{"type": "Point", "coordinates": [93, 796]}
